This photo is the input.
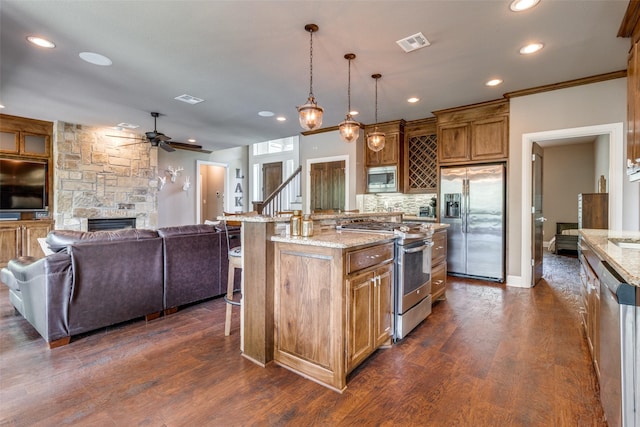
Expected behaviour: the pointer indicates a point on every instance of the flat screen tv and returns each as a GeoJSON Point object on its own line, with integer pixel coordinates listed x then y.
{"type": "Point", "coordinates": [23, 185]}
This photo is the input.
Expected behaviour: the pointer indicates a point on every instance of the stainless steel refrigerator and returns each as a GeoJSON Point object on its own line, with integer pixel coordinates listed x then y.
{"type": "Point", "coordinates": [473, 204]}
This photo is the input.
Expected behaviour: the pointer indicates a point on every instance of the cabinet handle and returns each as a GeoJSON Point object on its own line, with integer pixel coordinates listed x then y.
{"type": "Point", "coordinates": [439, 282]}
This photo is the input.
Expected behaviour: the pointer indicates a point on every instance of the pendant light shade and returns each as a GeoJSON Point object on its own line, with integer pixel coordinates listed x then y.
{"type": "Point", "coordinates": [310, 114]}
{"type": "Point", "coordinates": [376, 140]}
{"type": "Point", "coordinates": [349, 128]}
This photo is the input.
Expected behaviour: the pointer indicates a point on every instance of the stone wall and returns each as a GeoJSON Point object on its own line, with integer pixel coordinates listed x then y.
{"type": "Point", "coordinates": [98, 176]}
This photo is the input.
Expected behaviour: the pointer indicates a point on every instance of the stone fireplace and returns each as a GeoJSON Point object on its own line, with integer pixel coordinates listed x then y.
{"type": "Point", "coordinates": [99, 177]}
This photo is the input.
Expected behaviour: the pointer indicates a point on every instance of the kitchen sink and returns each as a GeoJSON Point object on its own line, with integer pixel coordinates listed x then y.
{"type": "Point", "coordinates": [627, 243]}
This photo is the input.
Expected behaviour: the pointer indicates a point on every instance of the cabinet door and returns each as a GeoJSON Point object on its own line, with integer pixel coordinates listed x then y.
{"type": "Point", "coordinates": [633, 107]}
{"type": "Point", "coordinates": [383, 316]}
{"type": "Point", "coordinates": [33, 144]}
{"type": "Point", "coordinates": [438, 282]}
{"type": "Point", "coordinates": [489, 139]}
{"type": "Point", "coordinates": [31, 233]}
{"type": "Point", "coordinates": [360, 322]}
{"type": "Point", "coordinates": [453, 143]}
{"type": "Point", "coordinates": [9, 142]}
{"type": "Point", "coordinates": [10, 239]}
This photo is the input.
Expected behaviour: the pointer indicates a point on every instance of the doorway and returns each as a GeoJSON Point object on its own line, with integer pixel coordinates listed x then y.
{"type": "Point", "coordinates": [343, 185]}
{"type": "Point", "coordinates": [271, 178]}
{"type": "Point", "coordinates": [210, 191]}
{"type": "Point", "coordinates": [616, 149]}
{"type": "Point", "coordinates": [327, 186]}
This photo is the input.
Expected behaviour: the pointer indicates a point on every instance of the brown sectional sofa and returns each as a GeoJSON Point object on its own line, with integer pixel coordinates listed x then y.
{"type": "Point", "coordinates": [97, 279]}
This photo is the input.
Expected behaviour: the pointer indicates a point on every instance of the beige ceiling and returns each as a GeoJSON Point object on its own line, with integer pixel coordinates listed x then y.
{"type": "Point", "coordinates": [246, 56]}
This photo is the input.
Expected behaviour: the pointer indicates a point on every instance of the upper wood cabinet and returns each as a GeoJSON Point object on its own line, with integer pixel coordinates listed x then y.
{"type": "Point", "coordinates": [630, 27]}
{"type": "Point", "coordinates": [25, 137]}
{"type": "Point", "coordinates": [392, 153]}
{"type": "Point", "coordinates": [420, 156]}
{"type": "Point", "coordinates": [473, 134]}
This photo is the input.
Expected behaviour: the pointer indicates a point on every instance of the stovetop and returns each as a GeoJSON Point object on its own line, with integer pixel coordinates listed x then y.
{"type": "Point", "coordinates": [406, 231]}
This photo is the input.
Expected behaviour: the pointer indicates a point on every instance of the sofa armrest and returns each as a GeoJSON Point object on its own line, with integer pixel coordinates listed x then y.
{"type": "Point", "coordinates": [45, 285]}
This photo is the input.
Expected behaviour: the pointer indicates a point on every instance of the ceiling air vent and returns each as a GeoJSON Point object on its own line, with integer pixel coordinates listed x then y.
{"type": "Point", "coordinates": [189, 99]}
{"type": "Point", "coordinates": [413, 42]}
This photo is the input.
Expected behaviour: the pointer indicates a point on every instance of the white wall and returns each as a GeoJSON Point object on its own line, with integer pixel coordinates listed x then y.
{"type": "Point", "coordinates": [587, 105]}
{"type": "Point", "coordinates": [178, 207]}
{"type": "Point", "coordinates": [563, 181]}
{"type": "Point", "coordinates": [322, 146]}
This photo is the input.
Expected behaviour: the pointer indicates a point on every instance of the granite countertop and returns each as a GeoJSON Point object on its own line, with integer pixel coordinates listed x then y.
{"type": "Point", "coordinates": [624, 260]}
{"type": "Point", "coordinates": [316, 217]}
{"type": "Point", "coordinates": [336, 239]}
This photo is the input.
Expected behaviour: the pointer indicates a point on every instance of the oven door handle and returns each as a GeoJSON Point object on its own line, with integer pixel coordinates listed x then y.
{"type": "Point", "coordinates": [414, 250]}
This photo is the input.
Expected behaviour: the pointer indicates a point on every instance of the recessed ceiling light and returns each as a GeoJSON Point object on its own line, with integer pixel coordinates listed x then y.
{"type": "Point", "coordinates": [266, 113]}
{"type": "Point", "coordinates": [354, 112]}
{"type": "Point", "coordinates": [95, 59]}
{"type": "Point", "coordinates": [493, 82]}
{"type": "Point", "coordinates": [281, 118]}
{"type": "Point", "coordinates": [1, 106]}
{"type": "Point", "coordinates": [39, 41]}
{"type": "Point", "coordinates": [192, 140]}
{"type": "Point", "coordinates": [520, 5]}
{"type": "Point", "coordinates": [413, 100]}
{"type": "Point", "coordinates": [531, 48]}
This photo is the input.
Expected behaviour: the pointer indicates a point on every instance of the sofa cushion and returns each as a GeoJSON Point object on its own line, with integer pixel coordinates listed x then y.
{"type": "Point", "coordinates": [186, 229]}
{"type": "Point", "coordinates": [58, 240]}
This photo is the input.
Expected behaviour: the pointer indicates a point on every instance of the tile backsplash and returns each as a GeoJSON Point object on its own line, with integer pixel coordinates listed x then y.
{"type": "Point", "coordinates": [407, 203]}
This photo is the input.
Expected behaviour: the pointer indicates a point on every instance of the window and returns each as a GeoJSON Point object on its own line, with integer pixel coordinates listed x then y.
{"type": "Point", "coordinates": [274, 146]}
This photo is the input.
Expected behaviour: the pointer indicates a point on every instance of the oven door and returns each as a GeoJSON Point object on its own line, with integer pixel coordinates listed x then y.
{"type": "Point", "coordinates": [414, 274]}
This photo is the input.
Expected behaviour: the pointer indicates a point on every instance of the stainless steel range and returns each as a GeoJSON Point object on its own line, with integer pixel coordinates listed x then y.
{"type": "Point", "coordinates": [412, 290]}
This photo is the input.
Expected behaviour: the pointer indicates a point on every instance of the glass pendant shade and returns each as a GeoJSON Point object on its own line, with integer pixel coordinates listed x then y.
{"type": "Point", "coordinates": [375, 140]}
{"type": "Point", "coordinates": [310, 114]}
{"type": "Point", "coordinates": [349, 129]}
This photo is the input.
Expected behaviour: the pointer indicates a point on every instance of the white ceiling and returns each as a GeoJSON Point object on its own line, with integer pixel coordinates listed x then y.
{"type": "Point", "coordinates": [246, 56]}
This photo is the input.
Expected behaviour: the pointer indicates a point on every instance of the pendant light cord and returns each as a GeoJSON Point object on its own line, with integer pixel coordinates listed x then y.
{"type": "Point", "coordinates": [311, 64]}
{"type": "Point", "coordinates": [349, 91]}
{"type": "Point", "coordinates": [376, 101]}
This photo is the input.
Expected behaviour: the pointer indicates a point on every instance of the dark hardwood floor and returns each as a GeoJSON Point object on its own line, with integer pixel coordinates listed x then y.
{"type": "Point", "coordinates": [488, 356]}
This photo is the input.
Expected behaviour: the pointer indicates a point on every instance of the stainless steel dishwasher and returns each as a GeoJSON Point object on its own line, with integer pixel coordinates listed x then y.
{"type": "Point", "coordinates": [619, 349]}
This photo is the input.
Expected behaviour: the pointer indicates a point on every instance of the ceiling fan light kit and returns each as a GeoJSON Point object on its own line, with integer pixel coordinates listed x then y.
{"type": "Point", "coordinates": [349, 128]}
{"type": "Point", "coordinates": [310, 114]}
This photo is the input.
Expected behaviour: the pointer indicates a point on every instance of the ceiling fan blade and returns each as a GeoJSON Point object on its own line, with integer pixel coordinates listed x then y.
{"type": "Point", "coordinates": [162, 137]}
{"type": "Point", "coordinates": [134, 143]}
{"type": "Point", "coordinates": [126, 137]}
{"type": "Point", "coordinates": [189, 147]}
{"type": "Point", "coordinates": [166, 147]}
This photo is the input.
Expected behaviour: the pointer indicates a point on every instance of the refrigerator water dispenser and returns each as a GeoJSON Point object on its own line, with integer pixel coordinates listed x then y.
{"type": "Point", "coordinates": [452, 205]}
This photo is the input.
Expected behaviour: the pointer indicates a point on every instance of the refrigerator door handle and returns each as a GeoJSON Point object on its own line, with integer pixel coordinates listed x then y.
{"type": "Point", "coordinates": [465, 205]}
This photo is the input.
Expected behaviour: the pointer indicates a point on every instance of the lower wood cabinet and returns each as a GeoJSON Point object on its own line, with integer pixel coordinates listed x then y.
{"type": "Point", "coordinates": [332, 308]}
{"type": "Point", "coordinates": [370, 321]}
{"type": "Point", "coordinates": [439, 266]}
{"type": "Point", "coordinates": [590, 303]}
{"type": "Point", "coordinates": [20, 238]}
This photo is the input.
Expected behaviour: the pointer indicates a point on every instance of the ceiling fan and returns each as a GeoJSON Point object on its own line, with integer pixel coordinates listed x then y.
{"type": "Point", "coordinates": [159, 139]}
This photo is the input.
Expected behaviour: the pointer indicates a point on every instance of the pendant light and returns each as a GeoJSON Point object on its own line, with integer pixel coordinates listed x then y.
{"type": "Point", "coordinates": [375, 140]}
{"type": "Point", "coordinates": [310, 114]}
{"type": "Point", "coordinates": [349, 128]}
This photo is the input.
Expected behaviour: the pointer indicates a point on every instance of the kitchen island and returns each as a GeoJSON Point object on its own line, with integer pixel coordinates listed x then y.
{"type": "Point", "coordinates": [333, 302]}
{"type": "Point", "coordinates": [257, 322]}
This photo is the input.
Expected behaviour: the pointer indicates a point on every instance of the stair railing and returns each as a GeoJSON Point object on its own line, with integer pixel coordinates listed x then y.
{"type": "Point", "coordinates": [274, 202]}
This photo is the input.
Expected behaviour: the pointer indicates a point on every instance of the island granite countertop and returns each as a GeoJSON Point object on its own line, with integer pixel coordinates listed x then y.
{"type": "Point", "coordinates": [626, 261]}
{"type": "Point", "coordinates": [336, 239]}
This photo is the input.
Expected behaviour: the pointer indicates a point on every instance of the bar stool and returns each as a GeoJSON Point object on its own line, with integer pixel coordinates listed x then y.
{"type": "Point", "coordinates": [235, 262]}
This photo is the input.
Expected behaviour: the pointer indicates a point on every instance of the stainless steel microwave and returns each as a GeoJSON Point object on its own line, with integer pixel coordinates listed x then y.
{"type": "Point", "coordinates": [382, 179]}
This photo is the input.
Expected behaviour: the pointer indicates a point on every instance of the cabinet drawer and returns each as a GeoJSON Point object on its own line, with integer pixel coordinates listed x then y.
{"type": "Point", "coordinates": [438, 280]}
{"type": "Point", "coordinates": [368, 257]}
{"type": "Point", "coordinates": [439, 249]}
